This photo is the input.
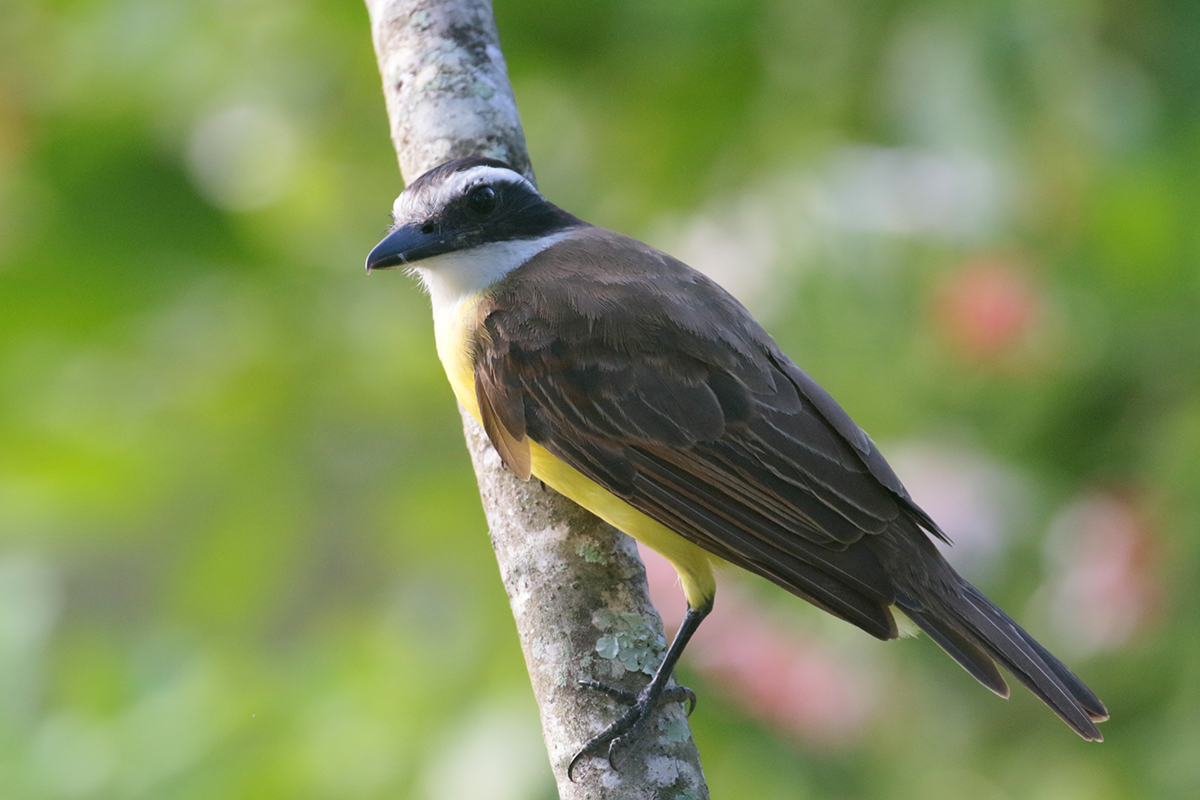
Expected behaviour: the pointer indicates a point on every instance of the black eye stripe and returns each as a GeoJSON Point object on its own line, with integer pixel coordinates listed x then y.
{"type": "Point", "coordinates": [481, 209]}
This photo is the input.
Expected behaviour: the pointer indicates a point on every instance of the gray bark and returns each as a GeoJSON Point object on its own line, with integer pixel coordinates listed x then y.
{"type": "Point", "coordinates": [577, 587]}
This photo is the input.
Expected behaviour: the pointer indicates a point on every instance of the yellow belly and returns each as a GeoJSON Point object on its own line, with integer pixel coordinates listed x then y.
{"type": "Point", "coordinates": [693, 564]}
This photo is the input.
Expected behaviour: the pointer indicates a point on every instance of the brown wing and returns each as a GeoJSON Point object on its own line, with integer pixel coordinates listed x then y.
{"type": "Point", "coordinates": [655, 383]}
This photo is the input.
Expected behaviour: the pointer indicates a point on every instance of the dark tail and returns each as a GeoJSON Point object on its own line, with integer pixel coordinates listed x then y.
{"type": "Point", "coordinates": [978, 635]}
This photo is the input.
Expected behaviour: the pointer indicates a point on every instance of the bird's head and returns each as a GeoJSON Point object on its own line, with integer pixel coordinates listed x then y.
{"type": "Point", "coordinates": [466, 206]}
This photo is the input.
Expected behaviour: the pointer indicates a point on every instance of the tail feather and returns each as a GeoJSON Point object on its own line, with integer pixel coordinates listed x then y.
{"type": "Point", "coordinates": [975, 633]}
{"type": "Point", "coordinates": [1007, 643]}
{"type": "Point", "coordinates": [962, 650]}
{"type": "Point", "coordinates": [1082, 694]}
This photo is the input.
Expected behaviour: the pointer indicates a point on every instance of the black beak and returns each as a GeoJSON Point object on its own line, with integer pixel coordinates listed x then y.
{"type": "Point", "coordinates": [407, 244]}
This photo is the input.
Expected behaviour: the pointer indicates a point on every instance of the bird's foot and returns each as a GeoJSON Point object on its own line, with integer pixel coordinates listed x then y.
{"type": "Point", "coordinates": [641, 709]}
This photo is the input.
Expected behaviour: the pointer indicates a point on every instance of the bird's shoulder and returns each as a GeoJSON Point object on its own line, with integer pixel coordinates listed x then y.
{"type": "Point", "coordinates": [598, 291]}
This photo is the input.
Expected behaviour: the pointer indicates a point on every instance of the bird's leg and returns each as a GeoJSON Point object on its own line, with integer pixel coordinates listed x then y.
{"type": "Point", "coordinates": [644, 703]}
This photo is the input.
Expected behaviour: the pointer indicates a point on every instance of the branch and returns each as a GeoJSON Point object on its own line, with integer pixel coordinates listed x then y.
{"type": "Point", "coordinates": [576, 586]}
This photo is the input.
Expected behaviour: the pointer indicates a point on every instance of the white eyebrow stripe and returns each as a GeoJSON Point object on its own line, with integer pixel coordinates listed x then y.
{"type": "Point", "coordinates": [409, 206]}
{"type": "Point", "coordinates": [460, 181]}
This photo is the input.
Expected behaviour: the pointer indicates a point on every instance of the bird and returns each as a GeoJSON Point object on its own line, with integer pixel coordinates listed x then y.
{"type": "Point", "coordinates": [640, 389]}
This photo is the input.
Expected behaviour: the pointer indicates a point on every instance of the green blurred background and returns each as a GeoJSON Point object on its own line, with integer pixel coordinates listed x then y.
{"type": "Point", "coordinates": [241, 552]}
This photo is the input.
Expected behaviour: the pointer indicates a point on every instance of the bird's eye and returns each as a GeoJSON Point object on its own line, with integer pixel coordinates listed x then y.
{"type": "Point", "coordinates": [482, 200]}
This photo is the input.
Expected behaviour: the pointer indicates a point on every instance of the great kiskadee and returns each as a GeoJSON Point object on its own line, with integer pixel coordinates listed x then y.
{"type": "Point", "coordinates": [643, 391]}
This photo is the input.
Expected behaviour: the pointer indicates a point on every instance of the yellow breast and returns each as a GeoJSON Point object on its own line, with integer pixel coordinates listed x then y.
{"type": "Point", "coordinates": [453, 331]}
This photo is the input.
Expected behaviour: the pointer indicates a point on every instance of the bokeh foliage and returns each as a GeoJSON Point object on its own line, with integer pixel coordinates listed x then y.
{"type": "Point", "coordinates": [241, 555]}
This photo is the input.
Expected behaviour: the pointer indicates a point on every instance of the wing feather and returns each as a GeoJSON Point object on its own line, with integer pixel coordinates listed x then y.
{"type": "Point", "coordinates": [693, 417]}
{"type": "Point", "coordinates": [513, 449]}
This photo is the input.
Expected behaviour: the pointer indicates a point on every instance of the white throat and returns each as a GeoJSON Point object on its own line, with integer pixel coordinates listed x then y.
{"type": "Point", "coordinates": [452, 278]}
